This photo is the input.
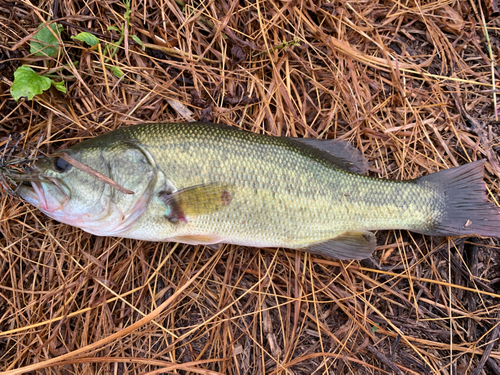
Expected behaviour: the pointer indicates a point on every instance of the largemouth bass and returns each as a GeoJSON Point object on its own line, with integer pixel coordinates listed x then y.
{"type": "Point", "coordinates": [201, 183]}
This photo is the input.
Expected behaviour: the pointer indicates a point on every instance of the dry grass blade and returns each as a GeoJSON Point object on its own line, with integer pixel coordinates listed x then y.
{"type": "Point", "coordinates": [111, 338]}
{"type": "Point", "coordinates": [412, 85]}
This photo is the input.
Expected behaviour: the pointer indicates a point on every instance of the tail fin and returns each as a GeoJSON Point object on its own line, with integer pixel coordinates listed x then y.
{"type": "Point", "coordinates": [467, 208]}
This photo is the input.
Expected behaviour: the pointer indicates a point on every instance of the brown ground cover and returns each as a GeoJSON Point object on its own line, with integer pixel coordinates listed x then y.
{"type": "Point", "coordinates": [411, 84]}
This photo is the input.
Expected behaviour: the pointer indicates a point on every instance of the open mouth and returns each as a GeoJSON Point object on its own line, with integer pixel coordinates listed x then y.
{"type": "Point", "coordinates": [46, 195]}
{"type": "Point", "coordinates": [33, 193]}
{"type": "Point", "coordinates": [38, 190]}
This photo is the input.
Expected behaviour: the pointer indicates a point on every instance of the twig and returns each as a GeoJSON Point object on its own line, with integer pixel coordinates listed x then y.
{"type": "Point", "coordinates": [489, 348]}
{"type": "Point", "coordinates": [93, 172]}
{"type": "Point", "coordinates": [493, 366]}
{"type": "Point", "coordinates": [384, 360]}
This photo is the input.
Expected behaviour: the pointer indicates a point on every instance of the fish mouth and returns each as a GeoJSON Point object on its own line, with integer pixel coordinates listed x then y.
{"type": "Point", "coordinates": [40, 194]}
{"type": "Point", "coordinates": [47, 195]}
{"type": "Point", "coordinates": [33, 192]}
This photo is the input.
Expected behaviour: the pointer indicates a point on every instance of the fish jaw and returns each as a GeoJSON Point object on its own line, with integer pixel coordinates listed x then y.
{"type": "Point", "coordinates": [52, 205]}
{"type": "Point", "coordinates": [52, 201]}
{"type": "Point", "coordinates": [46, 196]}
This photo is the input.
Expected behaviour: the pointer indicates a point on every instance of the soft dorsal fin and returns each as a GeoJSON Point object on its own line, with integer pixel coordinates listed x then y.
{"type": "Point", "coordinates": [342, 153]}
{"type": "Point", "coordinates": [356, 244]}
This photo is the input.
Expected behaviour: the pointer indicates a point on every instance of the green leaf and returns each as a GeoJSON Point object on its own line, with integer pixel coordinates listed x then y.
{"type": "Point", "coordinates": [375, 327]}
{"type": "Point", "coordinates": [44, 43]}
{"type": "Point", "coordinates": [59, 85]}
{"type": "Point", "coordinates": [113, 28]}
{"type": "Point", "coordinates": [137, 40]}
{"type": "Point", "coordinates": [88, 38]}
{"type": "Point", "coordinates": [116, 71]}
{"type": "Point", "coordinates": [28, 83]}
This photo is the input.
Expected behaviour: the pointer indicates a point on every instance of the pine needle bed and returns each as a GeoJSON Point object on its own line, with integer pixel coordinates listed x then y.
{"type": "Point", "coordinates": [411, 85]}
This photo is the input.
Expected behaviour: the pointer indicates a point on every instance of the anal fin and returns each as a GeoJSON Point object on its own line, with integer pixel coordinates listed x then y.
{"type": "Point", "coordinates": [356, 244]}
{"type": "Point", "coordinates": [198, 239]}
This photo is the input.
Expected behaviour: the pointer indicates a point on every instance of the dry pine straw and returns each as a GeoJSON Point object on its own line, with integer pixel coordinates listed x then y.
{"type": "Point", "coordinates": [410, 84]}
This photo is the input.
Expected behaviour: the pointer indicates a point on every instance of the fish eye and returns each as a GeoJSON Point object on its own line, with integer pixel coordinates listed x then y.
{"type": "Point", "coordinates": [60, 165]}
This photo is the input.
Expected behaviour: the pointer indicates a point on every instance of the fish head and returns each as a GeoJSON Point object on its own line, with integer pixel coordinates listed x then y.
{"type": "Point", "coordinates": [72, 195]}
{"type": "Point", "coordinates": [66, 193]}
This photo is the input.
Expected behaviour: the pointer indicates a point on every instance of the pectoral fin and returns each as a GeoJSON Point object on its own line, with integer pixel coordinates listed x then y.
{"type": "Point", "coordinates": [349, 245]}
{"type": "Point", "coordinates": [197, 200]}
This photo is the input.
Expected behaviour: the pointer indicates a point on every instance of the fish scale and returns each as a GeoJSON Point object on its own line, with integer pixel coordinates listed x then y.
{"type": "Point", "coordinates": [322, 203]}
{"type": "Point", "coordinates": [206, 183]}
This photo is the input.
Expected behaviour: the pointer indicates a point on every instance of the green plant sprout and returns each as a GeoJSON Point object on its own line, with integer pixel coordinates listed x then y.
{"type": "Point", "coordinates": [87, 38]}
{"type": "Point", "coordinates": [285, 45]}
{"type": "Point", "coordinates": [46, 42]}
{"type": "Point", "coordinates": [112, 49]}
{"type": "Point", "coordinates": [27, 82]}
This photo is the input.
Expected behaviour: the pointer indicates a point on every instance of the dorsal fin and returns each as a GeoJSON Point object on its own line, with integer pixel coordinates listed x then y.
{"type": "Point", "coordinates": [340, 152]}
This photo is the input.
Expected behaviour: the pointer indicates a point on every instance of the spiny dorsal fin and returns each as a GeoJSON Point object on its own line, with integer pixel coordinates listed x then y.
{"type": "Point", "coordinates": [356, 244]}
